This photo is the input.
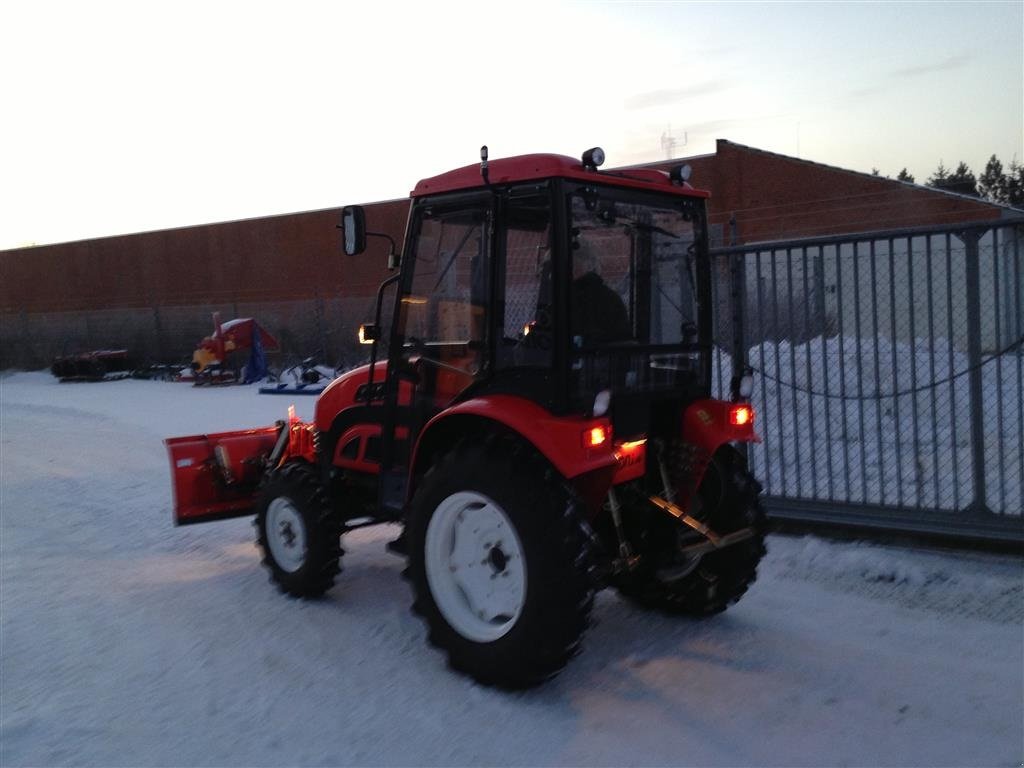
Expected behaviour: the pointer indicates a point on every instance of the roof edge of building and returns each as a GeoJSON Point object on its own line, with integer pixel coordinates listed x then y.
{"type": "Point", "coordinates": [862, 174]}
{"type": "Point", "coordinates": [182, 227]}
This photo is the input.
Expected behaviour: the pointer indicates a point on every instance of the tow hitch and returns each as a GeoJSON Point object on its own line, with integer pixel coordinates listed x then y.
{"type": "Point", "coordinates": [695, 551]}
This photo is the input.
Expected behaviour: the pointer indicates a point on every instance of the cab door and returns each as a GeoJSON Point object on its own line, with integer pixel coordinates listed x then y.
{"type": "Point", "coordinates": [441, 339]}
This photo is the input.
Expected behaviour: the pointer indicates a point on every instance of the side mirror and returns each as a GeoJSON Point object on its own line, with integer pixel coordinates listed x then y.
{"type": "Point", "coordinates": [353, 224]}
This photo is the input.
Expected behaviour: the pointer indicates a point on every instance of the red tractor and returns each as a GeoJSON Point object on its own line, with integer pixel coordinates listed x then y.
{"type": "Point", "coordinates": [536, 415]}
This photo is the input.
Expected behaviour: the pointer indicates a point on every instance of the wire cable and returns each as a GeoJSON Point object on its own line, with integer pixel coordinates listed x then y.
{"type": "Point", "coordinates": [886, 395]}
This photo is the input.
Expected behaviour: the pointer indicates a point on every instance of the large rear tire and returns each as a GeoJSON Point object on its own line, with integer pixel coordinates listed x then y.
{"type": "Point", "coordinates": [728, 502]}
{"type": "Point", "coordinates": [299, 533]}
{"type": "Point", "coordinates": [500, 564]}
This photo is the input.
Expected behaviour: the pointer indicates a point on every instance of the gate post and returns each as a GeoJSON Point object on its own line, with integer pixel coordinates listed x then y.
{"type": "Point", "coordinates": [737, 298]}
{"type": "Point", "coordinates": [970, 240]}
{"type": "Point", "coordinates": [737, 302]}
{"type": "Point", "coordinates": [737, 306]}
{"type": "Point", "coordinates": [738, 351]}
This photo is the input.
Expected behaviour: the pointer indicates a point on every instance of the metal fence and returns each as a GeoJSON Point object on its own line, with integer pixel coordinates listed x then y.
{"type": "Point", "coordinates": [890, 375]}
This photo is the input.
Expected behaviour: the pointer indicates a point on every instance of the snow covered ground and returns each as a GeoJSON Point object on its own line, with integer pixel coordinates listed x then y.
{"type": "Point", "coordinates": [126, 641]}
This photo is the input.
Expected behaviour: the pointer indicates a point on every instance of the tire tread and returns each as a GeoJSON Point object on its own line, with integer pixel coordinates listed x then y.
{"type": "Point", "coordinates": [324, 530]}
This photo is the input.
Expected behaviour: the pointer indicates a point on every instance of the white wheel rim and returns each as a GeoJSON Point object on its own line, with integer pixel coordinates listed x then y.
{"type": "Point", "coordinates": [475, 566]}
{"type": "Point", "coordinates": [286, 534]}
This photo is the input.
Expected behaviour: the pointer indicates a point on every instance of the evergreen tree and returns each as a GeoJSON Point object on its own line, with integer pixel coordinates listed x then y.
{"type": "Point", "coordinates": [904, 175]}
{"type": "Point", "coordinates": [992, 184]}
{"type": "Point", "coordinates": [938, 179]}
{"type": "Point", "coordinates": [961, 180]}
{"type": "Point", "coordinates": [1014, 185]}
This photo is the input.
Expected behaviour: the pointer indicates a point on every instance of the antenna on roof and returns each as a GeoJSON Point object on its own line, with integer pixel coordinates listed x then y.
{"type": "Point", "coordinates": [670, 142]}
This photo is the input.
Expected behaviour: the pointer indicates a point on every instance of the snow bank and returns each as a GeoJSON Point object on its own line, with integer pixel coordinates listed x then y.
{"type": "Point", "coordinates": [981, 586]}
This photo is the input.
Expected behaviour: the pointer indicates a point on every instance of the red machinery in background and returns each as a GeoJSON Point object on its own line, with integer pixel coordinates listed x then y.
{"type": "Point", "coordinates": [215, 360]}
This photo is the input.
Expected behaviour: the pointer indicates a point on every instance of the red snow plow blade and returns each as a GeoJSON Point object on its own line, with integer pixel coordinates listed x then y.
{"type": "Point", "coordinates": [216, 476]}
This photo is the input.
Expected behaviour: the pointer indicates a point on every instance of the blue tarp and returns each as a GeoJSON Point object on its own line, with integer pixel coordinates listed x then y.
{"type": "Point", "coordinates": [256, 368]}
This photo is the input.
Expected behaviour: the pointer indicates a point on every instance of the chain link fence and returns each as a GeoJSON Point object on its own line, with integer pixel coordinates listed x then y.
{"type": "Point", "coordinates": [890, 375]}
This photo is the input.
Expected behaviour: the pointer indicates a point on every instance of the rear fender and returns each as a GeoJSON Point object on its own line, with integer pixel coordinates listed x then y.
{"type": "Point", "coordinates": [559, 439]}
{"type": "Point", "coordinates": [216, 476]}
{"type": "Point", "coordinates": [707, 427]}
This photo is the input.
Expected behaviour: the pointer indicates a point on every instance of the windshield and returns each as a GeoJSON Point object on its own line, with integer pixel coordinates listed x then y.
{"type": "Point", "coordinates": [633, 271]}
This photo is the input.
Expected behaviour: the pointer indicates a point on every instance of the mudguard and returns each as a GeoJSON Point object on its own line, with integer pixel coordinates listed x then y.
{"type": "Point", "coordinates": [352, 389]}
{"type": "Point", "coordinates": [560, 439]}
{"type": "Point", "coordinates": [707, 426]}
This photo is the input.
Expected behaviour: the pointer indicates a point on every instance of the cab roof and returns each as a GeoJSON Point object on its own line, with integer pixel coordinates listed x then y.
{"type": "Point", "coordinates": [510, 170]}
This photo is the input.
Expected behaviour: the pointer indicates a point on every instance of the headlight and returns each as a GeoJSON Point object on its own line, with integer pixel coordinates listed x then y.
{"type": "Point", "coordinates": [367, 333]}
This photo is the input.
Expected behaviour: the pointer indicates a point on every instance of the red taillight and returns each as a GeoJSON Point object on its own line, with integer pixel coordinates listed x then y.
{"type": "Point", "coordinates": [596, 436]}
{"type": "Point", "coordinates": [741, 415]}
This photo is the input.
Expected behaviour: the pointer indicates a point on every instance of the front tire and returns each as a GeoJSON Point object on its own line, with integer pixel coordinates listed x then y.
{"type": "Point", "coordinates": [500, 564]}
{"type": "Point", "coordinates": [298, 532]}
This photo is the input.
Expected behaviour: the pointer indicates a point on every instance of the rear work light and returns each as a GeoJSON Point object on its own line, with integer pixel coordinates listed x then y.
{"type": "Point", "coordinates": [741, 415]}
{"type": "Point", "coordinates": [596, 436]}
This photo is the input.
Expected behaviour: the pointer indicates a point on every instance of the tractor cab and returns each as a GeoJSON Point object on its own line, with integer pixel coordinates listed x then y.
{"type": "Point", "coordinates": [544, 279]}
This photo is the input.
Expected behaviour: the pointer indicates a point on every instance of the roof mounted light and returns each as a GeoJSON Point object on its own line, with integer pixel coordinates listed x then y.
{"type": "Point", "coordinates": [680, 174]}
{"type": "Point", "coordinates": [593, 158]}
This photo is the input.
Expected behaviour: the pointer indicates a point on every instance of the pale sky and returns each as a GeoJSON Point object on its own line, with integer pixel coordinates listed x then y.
{"type": "Point", "coordinates": [132, 116]}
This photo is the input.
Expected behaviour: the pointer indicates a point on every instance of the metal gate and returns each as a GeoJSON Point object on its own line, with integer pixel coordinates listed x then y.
{"type": "Point", "coordinates": [889, 371]}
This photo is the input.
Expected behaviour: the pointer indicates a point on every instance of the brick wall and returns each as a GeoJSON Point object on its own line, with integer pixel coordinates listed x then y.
{"type": "Point", "coordinates": [154, 292]}
{"type": "Point", "coordinates": [775, 197]}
